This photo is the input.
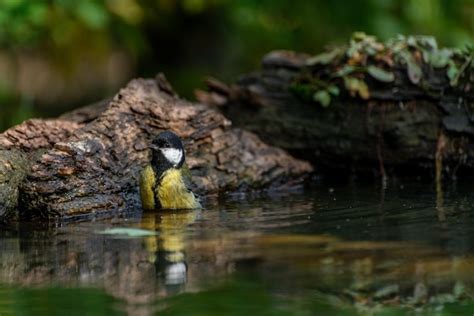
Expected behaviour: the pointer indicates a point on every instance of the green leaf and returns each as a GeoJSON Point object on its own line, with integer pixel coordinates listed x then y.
{"type": "Point", "coordinates": [427, 42]}
{"type": "Point", "coordinates": [459, 289]}
{"type": "Point", "coordinates": [387, 291]}
{"type": "Point", "coordinates": [357, 86]}
{"type": "Point", "coordinates": [413, 69]}
{"type": "Point", "coordinates": [128, 232]}
{"type": "Point", "coordinates": [344, 71]}
{"type": "Point", "coordinates": [380, 74]}
{"type": "Point", "coordinates": [334, 90]}
{"type": "Point", "coordinates": [371, 51]}
{"type": "Point", "coordinates": [353, 49]}
{"type": "Point", "coordinates": [322, 97]}
{"type": "Point", "coordinates": [324, 58]}
{"type": "Point", "coordinates": [452, 73]}
{"type": "Point", "coordinates": [359, 36]}
{"type": "Point", "coordinates": [411, 41]}
{"type": "Point", "coordinates": [441, 58]}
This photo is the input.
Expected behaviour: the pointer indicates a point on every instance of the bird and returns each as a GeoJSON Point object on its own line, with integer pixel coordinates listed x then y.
{"type": "Point", "coordinates": [165, 182]}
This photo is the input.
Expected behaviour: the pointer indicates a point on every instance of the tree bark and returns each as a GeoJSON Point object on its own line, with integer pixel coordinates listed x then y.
{"type": "Point", "coordinates": [19, 147]}
{"type": "Point", "coordinates": [398, 130]}
{"type": "Point", "coordinates": [86, 163]}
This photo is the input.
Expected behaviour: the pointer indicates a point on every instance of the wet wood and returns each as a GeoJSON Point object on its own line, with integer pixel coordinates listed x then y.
{"type": "Point", "coordinates": [395, 131]}
{"type": "Point", "coordinates": [90, 159]}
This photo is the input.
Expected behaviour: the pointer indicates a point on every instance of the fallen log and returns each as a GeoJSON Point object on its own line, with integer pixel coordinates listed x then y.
{"type": "Point", "coordinates": [86, 163]}
{"type": "Point", "coordinates": [401, 107]}
{"type": "Point", "coordinates": [19, 147]}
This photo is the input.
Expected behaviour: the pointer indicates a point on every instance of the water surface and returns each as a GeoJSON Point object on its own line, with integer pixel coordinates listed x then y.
{"type": "Point", "coordinates": [327, 249]}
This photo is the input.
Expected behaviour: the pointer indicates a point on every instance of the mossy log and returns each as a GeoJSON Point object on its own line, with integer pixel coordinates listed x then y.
{"type": "Point", "coordinates": [360, 108]}
{"type": "Point", "coordinates": [86, 163]}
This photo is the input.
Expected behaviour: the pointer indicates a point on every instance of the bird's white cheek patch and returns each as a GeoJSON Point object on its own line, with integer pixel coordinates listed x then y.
{"type": "Point", "coordinates": [173, 155]}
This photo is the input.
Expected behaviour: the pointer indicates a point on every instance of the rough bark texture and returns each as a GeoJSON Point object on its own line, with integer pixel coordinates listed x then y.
{"type": "Point", "coordinates": [13, 167]}
{"type": "Point", "coordinates": [37, 134]}
{"type": "Point", "coordinates": [401, 128]}
{"type": "Point", "coordinates": [89, 160]}
{"type": "Point", "coordinates": [21, 145]}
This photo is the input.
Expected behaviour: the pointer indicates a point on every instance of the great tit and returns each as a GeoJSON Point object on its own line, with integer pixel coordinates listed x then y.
{"type": "Point", "coordinates": [165, 181]}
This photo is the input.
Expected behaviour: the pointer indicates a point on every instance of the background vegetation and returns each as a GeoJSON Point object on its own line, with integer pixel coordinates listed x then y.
{"type": "Point", "coordinates": [58, 54]}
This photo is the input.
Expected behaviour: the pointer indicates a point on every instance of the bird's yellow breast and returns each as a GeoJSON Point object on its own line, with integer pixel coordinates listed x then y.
{"type": "Point", "coordinates": [168, 192]}
{"type": "Point", "coordinates": [147, 187]}
{"type": "Point", "coordinates": [173, 193]}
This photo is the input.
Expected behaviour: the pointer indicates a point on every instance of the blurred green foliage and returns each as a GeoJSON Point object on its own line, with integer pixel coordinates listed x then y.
{"type": "Point", "coordinates": [190, 39]}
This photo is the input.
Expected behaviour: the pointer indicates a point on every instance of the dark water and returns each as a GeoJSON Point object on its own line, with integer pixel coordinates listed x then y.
{"type": "Point", "coordinates": [347, 249]}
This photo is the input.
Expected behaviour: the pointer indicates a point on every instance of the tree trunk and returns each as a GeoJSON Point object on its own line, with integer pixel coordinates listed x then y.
{"type": "Point", "coordinates": [88, 161]}
{"type": "Point", "coordinates": [402, 128]}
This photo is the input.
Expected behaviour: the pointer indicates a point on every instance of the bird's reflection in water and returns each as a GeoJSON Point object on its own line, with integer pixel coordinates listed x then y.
{"type": "Point", "coordinates": [167, 249]}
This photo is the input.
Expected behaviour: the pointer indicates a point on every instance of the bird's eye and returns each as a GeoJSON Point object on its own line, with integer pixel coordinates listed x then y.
{"type": "Point", "coordinates": [165, 145]}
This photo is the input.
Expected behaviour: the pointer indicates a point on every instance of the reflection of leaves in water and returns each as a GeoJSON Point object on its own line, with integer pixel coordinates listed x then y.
{"type": "Point", "coordinates": [244, 298]}
{"type": "Point", "coordinates": [57, 301]}
{"type": "Point", "coordinates": [371, 274]}
{"type": "Point", "coordinates": [128, 232]}
{"type": "Point", "coordinates": [290, 273]}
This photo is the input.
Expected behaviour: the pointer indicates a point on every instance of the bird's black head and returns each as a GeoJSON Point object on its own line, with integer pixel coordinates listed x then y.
{"type": "Point", "coordinates": [168, 151]}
